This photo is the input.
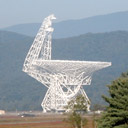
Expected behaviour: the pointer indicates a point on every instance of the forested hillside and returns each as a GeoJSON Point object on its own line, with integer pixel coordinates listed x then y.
{"type": "Point", "coordinates": [18, 91]}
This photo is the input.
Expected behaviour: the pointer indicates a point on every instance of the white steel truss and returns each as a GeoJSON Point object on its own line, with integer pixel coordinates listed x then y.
{"type": "Point", "coordinates": [63, 78]}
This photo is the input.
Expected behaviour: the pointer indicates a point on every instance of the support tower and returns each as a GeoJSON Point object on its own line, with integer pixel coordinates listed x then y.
{"type": "Point", "coordinates": [63, 78]}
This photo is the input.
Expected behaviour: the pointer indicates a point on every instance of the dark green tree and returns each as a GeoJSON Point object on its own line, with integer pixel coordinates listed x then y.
{"type": "Point", "coordinates": [116, 115]}
{"type": "Point", "coordinates": [76, 109]}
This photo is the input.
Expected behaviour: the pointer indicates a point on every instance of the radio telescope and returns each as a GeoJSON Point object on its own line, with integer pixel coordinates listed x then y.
{"type": "Point", "coordinates": [63, 78]}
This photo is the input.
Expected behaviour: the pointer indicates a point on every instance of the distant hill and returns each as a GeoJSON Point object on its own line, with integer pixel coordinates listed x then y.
{"type": "Point", "coordinates": [18, 91]}
{"type": "Point", "coordinates": [95, 24]}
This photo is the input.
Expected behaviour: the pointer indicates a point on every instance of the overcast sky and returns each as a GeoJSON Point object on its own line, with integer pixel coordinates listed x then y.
{"type": "Point", "coordinates": [14, 12]}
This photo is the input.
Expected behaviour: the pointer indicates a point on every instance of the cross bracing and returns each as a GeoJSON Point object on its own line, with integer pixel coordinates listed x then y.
{"type": "Point", "coordinates": [63, 78]}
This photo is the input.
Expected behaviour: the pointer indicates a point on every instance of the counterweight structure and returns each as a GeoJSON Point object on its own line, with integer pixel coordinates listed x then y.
{"type": "Point", "coordinates": [63, 78]}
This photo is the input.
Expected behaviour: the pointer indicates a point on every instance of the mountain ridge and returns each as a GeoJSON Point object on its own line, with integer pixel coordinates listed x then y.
{"type": "Point", "coordinates": [69, 28]}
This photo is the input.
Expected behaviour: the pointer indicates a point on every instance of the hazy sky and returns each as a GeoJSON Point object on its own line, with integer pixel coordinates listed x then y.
{"type": "Point", "coordinates": [29, 11]}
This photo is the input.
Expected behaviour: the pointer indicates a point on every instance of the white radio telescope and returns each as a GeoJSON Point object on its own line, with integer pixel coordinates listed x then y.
{"type": "Point", "coordinates": [63, 78]}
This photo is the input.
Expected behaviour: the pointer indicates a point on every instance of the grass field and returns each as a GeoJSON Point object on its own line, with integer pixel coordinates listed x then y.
{"type": "Point", "coordinates": [40, 121]}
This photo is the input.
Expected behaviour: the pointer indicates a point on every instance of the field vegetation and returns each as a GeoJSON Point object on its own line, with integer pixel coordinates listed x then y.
{"type": "Point", "coordinates": [43, 121]}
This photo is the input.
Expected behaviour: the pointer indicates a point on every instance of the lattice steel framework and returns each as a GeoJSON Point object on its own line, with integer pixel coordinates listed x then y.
{"type": "Point", "coordinates": [63, 78]}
